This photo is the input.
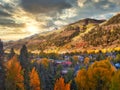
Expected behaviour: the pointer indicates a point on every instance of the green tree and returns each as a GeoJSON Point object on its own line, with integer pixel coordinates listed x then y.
{"type": "Point", "coordinates": [69, 76]}
{"type": "Point", "coordinates": [73, 85]}
{"type": "Point", "coordinates": [117, 59]}
{"type": "Point", "coordinates": [24, 61]}
{"type": "Point", "coordinates": [24, 56]}
{"type": "Point", "coordinates": [1, 49]}
{"type": "Point", "coordinates": [12, 53]}
{"type": "Point", "coordinates": [47, 75]}
{"type": "Point", "coordinates": [2, 71]}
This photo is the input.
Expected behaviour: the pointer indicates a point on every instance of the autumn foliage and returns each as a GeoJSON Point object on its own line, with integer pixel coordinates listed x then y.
{"type": "Point", "coordinates": [86, 60]}
{"type": "Point", "coordinates": [44, 61]}
{"type": "Point", "coordinates": [100, 74]}
{"type": "Point", "coordinates": [34, 80]}
{"type": "Point", "coordinates": [60, 85]}
{"type": "Point", "coordinates": [115, 84]}
{"type": "Point", "coordinates": [97, 77]}
{"type": "Point", "coordinates": [81, 79]}
{"type": "Point", "coordinates": [14, 75]}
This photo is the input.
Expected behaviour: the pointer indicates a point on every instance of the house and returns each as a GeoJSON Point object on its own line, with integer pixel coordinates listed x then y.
{"type": "Point", "coordinates": [67, 63]}
{"type": "Point", "coordinates": [57, 62]}
{"type": "Point", "coordinates": [64, 71]}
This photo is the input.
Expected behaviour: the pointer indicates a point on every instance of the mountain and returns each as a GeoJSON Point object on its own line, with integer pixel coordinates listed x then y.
{"type": "Point", "coordinates": [82, 35]}
{"type": "Point", "coordinates": [106, 35]}
{"type": "Point", "coordinates": [114, 20]}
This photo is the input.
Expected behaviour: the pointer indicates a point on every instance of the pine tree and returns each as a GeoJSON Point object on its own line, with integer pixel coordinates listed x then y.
{"type": "Point", "coordinates": [47, 76]}
{"type": "Point", "coordinates": [73, 85]}
{"type": "Point", "coordinates": [1, 53]}
{"type": "Point", "coordinates": [12, 53]}
{"type": "Point", "coordinates": [1, 49]}
{"type": "Point", "coordinates": [24, 56]}
{"type": "Point", "coordinates": [24, 61]}
{"type": "Point", "coordinates": [2, 71]}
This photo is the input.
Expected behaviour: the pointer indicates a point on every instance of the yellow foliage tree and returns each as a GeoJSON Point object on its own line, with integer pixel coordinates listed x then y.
{"type": "Point", "coordinates": [34, 80]}
{"type": "Point", "coordinates": [81, 80]}
{"type": "Point", "coordinates": [14, 75]}
{"type": "Point", "coordinates": [60, 85]}
{"type": "Point", "coordinates": [115, 85]}
{"type": "Point", "coordinates": [76, 59]}
{"type": "Point", "coordinates": [100, 74]}
{"type": "Point", "coordinates": [97, 77]}
{"type": "Point", "coordinates": [45, 62]}
{"type": "Point", "coordinates": [117, 59]}
{"type": "Point", "coordinates": [86, 60]}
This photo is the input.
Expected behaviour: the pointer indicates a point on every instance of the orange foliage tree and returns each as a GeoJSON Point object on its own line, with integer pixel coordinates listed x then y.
{"type": "Point", "coordinates": [60, 85]}
{"type": "Point", "coordinates": [34, 80]}
{"type": "Point", "coordinates": [14, 75]}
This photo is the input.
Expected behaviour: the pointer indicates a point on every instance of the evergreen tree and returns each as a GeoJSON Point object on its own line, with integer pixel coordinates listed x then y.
{"type": "Point", "coordinates": [12, 53]}
{"type": "Point", "coordinates": [2, 72]}
{"type": "Point", "coordinates": [1, 49]}
{"type": "Point", "coordinates": [1, 52]}
{"type": "Point", "coordinates": [26, 65]}
{"type": "Point", "coordinates": [47, 75]}
{"type": "Point", "coordinates": [73, 85]}
{"type": "Point", "coordinates": [24, 57]}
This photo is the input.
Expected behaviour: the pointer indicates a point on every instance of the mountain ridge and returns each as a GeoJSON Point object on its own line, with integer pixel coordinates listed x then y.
{"type": "Point", "coordinates": [81, 35]}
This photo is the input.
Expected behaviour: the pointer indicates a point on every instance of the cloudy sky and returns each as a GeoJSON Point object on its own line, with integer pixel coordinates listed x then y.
{"type": "Point", "coordinates": [22, 18]}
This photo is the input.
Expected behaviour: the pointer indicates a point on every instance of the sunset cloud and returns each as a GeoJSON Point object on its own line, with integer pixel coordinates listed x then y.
{"type": "Point", "coordinates": [21, 16]}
